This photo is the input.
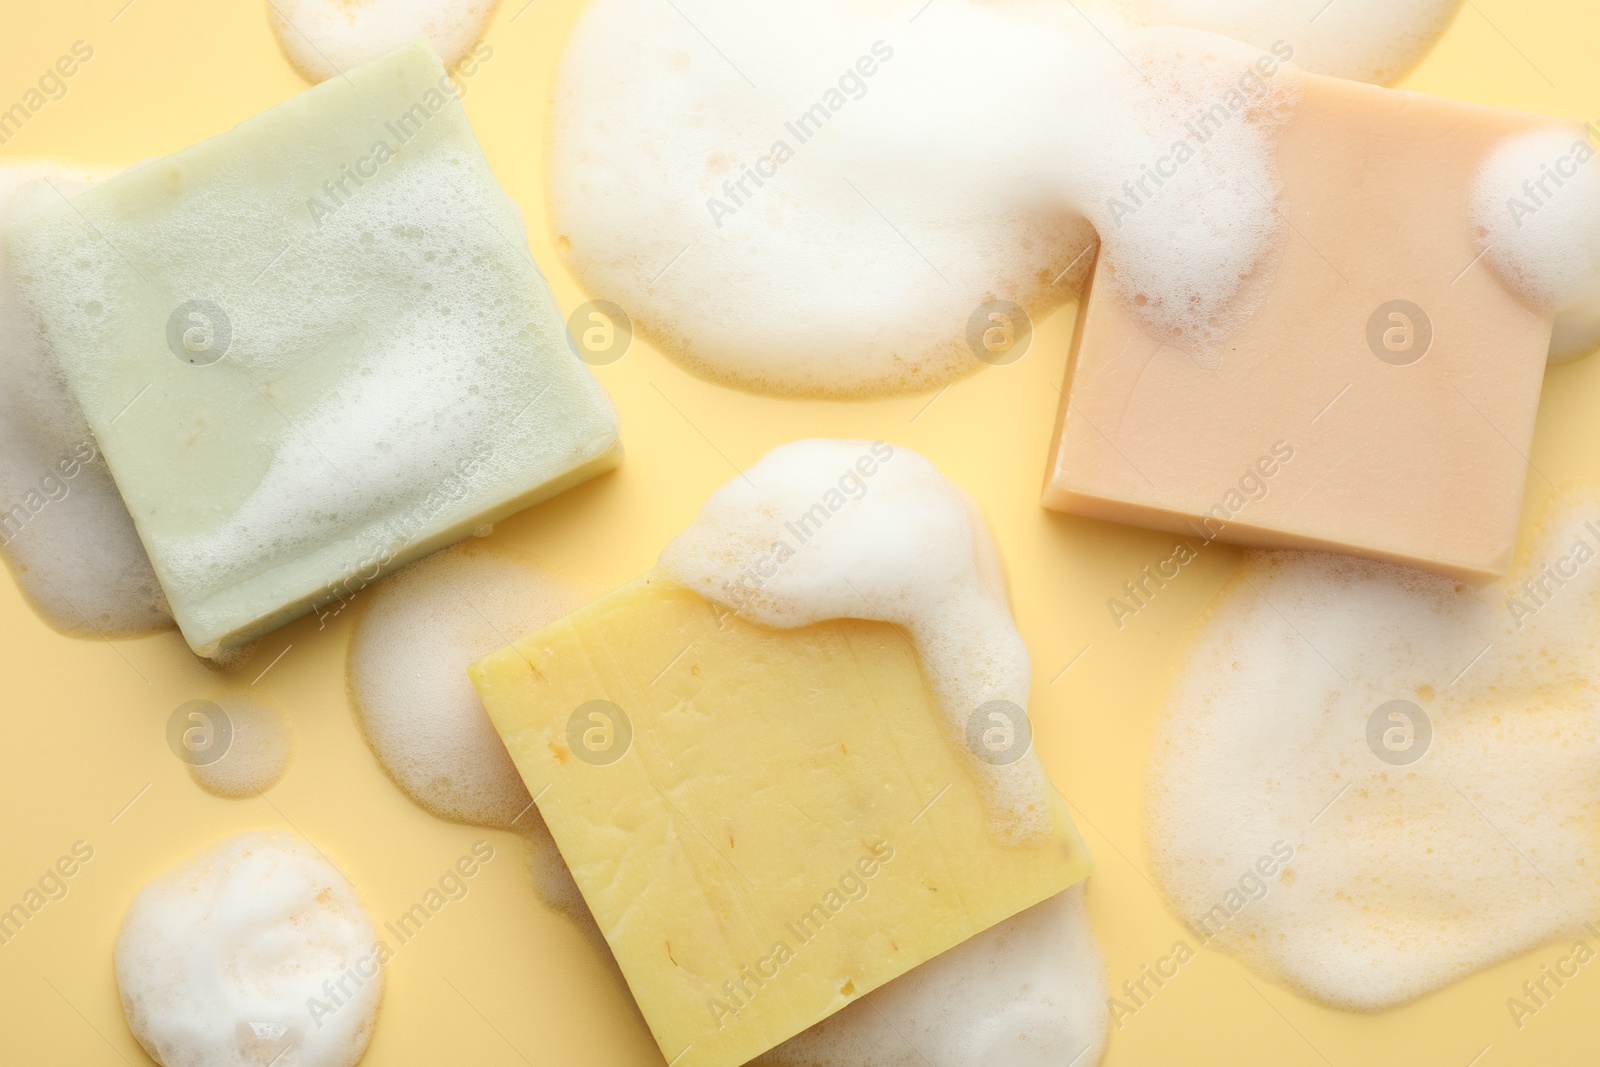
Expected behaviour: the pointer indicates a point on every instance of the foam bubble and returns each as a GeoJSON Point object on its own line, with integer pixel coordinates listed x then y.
{"type": "Point", "coordinates": [1377, 41]}
{"type": "Point", "coordinates": [409, 689]}
{"type": "Point", "coordinates": [408, 676]}
{"type": "Point", "coordinates": [67, 536]}
{"type": "Point", "coordinates": [1028, 992]}
{"type": "Point", "coordinates": [778, 218]}
{"type": "Point", "coordinates": [1191, 252]}
{"type": "Point", "coordinates": [227, 960]}
{"type": "Point", "coordinates": [820, 530]}
{"type": "Point", "coordinates": [554, 885]}
{"type": "Point", "coordinates": [1429, 838]}
{"type": "Point", "coordinates": [260, 748]}
{"type": "Point", "coordinates": [1535, 213]}
{"type": "Point", "coordinates": [327, 37]}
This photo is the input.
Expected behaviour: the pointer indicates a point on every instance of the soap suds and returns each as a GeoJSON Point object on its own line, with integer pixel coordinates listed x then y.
{"type": "Point", "coordinates": [63, 527]}
{"type": "Point", "coordinates": [228, 959]}
{"type": "Point", "coordinates": [1028, 992]}
{"type": "Point", "coordinates": [1535, 213]}
{"type": "Point", "coordinates": [1431, 838]}
{"type": "Point", "coordinates": [260, 748]}
{"type": "Point", "coordinates": [554, 885]}
{"type": "Point", "coordinates": [1377, 41]}
{"type": "Point", "coordinates": [422, 629]}
{"type": "Point", "coordinates": [327, 37]}
{"type": "Point", "coordinates": [1183, 192]}
{"type": "Point", "coordinates": [410, 692]}
{"type": "Point", "coordinates": [822, 208]}
{"type": "Point", "coordinates": [821, 529]}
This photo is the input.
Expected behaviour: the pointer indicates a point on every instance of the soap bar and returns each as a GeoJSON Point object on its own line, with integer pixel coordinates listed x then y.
{"type": "Point", "coordinates": [766, 824]}
{"type": "Point", "coordinates": [1381, 399]}
{"type": "Point", "coordinates": [312, 348]}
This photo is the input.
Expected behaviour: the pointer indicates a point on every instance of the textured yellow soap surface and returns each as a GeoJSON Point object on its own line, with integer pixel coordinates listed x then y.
{"type": "Point", "coordinates": [765, 823]}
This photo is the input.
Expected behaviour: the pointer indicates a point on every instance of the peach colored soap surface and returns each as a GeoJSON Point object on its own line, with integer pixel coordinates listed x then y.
{"type": "Point", "coordinates": [1381, 401]}
{"type": "Point", "coordinates": [494, 979]}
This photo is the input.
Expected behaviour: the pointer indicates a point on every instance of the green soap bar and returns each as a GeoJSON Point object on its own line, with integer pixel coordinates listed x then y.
{"type": "Point", "coordinates": [313, 348]}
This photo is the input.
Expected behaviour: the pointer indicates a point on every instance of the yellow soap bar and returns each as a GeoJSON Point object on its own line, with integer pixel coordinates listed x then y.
{"type": "Point", "coordinates": [767, 824]}
{"type": "Point", "coordinates": [1381, 399]}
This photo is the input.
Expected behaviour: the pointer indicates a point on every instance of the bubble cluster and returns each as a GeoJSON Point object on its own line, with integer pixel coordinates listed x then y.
{"type": "Point", "coordinates": [63, 527]}
{"type": "Point", "coordinates": [818, 204]}
{"type": "Point", "coordinates": [819, 530]}
{"type": "Point", "coordinates": [259, 749]}
{"type": "Point", "coordinates": [1377, 41]}
{"type": "Point", "coordinates": [554, 885]}
{"type": "Point", "coordinates": [327, 37]}
{"type": "Point", "coordinates": [254, 952]}
{"type": "Point", "coordinates": [1535, 212]}
{"type": "Point", "coordinates": [407, 674]}
{"type": "Point", "coordinates": [408, 679]}
{"type": "Point", "coordinates": [1425, 753]}
{"type": "Point", "coordinates": [1028, 992]}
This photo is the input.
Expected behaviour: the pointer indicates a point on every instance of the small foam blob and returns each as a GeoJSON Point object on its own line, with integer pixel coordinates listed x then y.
{"type": "Point", "coordinates": [823, 202]}
{"type": "Point", "coordinates": [554, 885]}
{"type": "Point", "coordinates": [1426, 753]}
{"type": "Point", "coordinates": [408, 677]}
{"type": "Point", "coordinates": [1535, 213]}
{"type": "Point", "coordinates": [822, 529]}
{"type": "Point", "coordinates": [63, 526]}
{"type": "Point", "coordinates": [1028, 992]}
{"type": "Point", "coordinates": [327, 37]}
{"type": "Point", "coordinates": [254, 952]}
{"type": "Point", "coordinates": [1377, 41]}
{"type": "Point", "coordinates": [1182, 187]}
{"type": "Point", "coordinates": [260, 748]}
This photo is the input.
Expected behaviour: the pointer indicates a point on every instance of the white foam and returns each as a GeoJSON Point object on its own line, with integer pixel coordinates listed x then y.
{"type": "Point", "coordinates": [1191, 252]}
{"type": "Point", "coordinates": [1029, 992]}
{"type": "Point", "coordinates": [237, 956]}
{"type": "Point", "coordinates": [554, 885]}
{"type": "Point", "coordinates": [408, 679]}
{"type": "Point", "coordinates": [409, 689]}
{"type": "Point", "coordinates": [260, 748]}
{"type": "Point", "coordinates": [1404, 877]}
{"type": "Point", "coordinates": [1377, 41]}
{"type": "Point", "coordinates": [67, 537]}
{"type": "Point", "coordinates": [820, 530]}
{"type": "Point", "coordinates": [960, 172]}
{"type": "Point", "coordinates": [327, 37]}
{"type": "Point", "coordinates": [1536, 216]}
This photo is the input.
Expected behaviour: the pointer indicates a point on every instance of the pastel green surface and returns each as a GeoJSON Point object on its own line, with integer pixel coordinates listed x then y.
{"type": "Point", "coordinates": [313, 348]}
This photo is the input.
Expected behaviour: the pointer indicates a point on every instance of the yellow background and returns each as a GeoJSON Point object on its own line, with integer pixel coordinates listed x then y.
{"type": "Point", "coordinates": [496, 979]}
